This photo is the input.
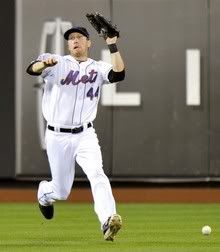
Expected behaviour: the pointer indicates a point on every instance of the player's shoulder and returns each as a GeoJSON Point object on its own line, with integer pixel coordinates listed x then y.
{"type": "Point", "coordinates": [68, 57]}
{"type": "Point", "coordinates": [102, 63]}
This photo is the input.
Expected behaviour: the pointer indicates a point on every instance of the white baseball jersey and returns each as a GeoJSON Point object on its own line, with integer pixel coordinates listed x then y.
{"type": "Point", "coordinates": [72, 90]}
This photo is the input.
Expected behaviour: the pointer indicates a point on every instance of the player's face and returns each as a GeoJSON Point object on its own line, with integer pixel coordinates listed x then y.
{"type": "Point", "coordinates": [78, 45]}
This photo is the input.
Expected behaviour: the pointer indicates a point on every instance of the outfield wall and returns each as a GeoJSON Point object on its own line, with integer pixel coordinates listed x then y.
{"type": "Point", "coordinates": [163, 124]}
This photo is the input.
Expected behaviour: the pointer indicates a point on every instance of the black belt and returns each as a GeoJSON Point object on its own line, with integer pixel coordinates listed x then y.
{"type": "Point", "coordinates": [73, 131]}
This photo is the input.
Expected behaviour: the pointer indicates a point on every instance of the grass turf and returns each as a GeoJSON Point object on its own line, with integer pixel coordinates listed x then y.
{"type": "Point", "coordinates": [146, 227]}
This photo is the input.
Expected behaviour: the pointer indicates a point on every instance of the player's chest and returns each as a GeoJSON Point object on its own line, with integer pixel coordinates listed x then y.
{"type": "Point", "coordinates": [79, 75]}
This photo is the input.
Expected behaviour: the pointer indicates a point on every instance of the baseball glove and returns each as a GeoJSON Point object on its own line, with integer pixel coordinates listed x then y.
{"type": "Point", "coordinates": [103, 26]}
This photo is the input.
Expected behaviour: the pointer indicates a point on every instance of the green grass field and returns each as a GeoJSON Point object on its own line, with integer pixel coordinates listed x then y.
{"type": "Point", "coordinates": [146, 227]}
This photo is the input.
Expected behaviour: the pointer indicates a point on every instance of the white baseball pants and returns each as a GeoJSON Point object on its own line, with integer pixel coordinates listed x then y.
{"type": "Point", "coordinates": [63, 149]}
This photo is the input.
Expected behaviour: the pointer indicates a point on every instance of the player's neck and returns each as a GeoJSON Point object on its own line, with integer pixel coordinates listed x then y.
{"type": "Point", "coordinates": [80, 58]}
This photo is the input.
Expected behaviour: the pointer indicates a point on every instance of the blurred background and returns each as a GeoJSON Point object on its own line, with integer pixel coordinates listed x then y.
{"type": "Point", "coordinates": [161, 124]}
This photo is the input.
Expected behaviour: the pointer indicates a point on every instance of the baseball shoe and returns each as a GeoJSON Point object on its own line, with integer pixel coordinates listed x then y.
{"type": "Point", "coordinates": [111, 227]}
{"type": "Point", "coordinates": [47, 211]}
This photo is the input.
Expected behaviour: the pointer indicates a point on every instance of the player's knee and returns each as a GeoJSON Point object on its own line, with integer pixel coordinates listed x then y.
{"type": "Point", "coordinates": [97, 177]}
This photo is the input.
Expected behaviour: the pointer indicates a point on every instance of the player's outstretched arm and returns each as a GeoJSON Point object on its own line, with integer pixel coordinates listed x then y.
{"type": "Point", "coordinates": [116, 59]}
{"type": "Point", "coordinates": [110, 33]}
{"type": "Point", "coordinates": [36, 68]}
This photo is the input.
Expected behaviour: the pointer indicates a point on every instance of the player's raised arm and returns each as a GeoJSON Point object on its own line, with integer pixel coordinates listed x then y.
{"type": "Point", "coordinates": [116, 59]}
{"type": "Point", "coordinates": [110, 33]}
{"type": "Point", "coordinates": [118, 70]}
{"type": "Point", "coordinates": [36, 67]}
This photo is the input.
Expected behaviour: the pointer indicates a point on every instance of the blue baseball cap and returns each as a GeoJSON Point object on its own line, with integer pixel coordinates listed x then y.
{"type": "Point", "coordinates": [78, 29]}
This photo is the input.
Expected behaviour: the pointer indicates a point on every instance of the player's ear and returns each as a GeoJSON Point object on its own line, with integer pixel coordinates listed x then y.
{"type": "Point", "coordinates": [89, 43]}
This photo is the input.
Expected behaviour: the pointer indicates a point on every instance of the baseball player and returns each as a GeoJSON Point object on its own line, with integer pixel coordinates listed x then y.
{"type": "Point", "coordinates": [71, 94]}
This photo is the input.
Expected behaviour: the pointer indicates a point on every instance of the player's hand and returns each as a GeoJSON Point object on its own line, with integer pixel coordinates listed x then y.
{"type": "Point", "coordinates": [111, 40]}
{"type": "Point", "coordinates": [50, 62]}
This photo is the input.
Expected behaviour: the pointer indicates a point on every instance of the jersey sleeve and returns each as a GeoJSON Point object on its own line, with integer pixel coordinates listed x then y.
{"type": "Point", "coordinates": [105, 68]}
{"type": "Point", "coordinates": [45, 56]}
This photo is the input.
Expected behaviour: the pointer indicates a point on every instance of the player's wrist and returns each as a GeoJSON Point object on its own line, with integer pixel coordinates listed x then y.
{"type": "Point", "coordinates": [112, 48]}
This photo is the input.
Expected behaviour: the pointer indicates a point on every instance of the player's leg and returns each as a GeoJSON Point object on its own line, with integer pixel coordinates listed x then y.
{"type": "Point", "coordinates": [90, 159]}
{"type": "Point", "coordinates": [61, 159]}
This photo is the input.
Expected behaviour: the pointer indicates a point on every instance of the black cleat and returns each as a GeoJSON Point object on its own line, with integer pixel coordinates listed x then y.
{"type": "Point", "coordinates": [47, 211]}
